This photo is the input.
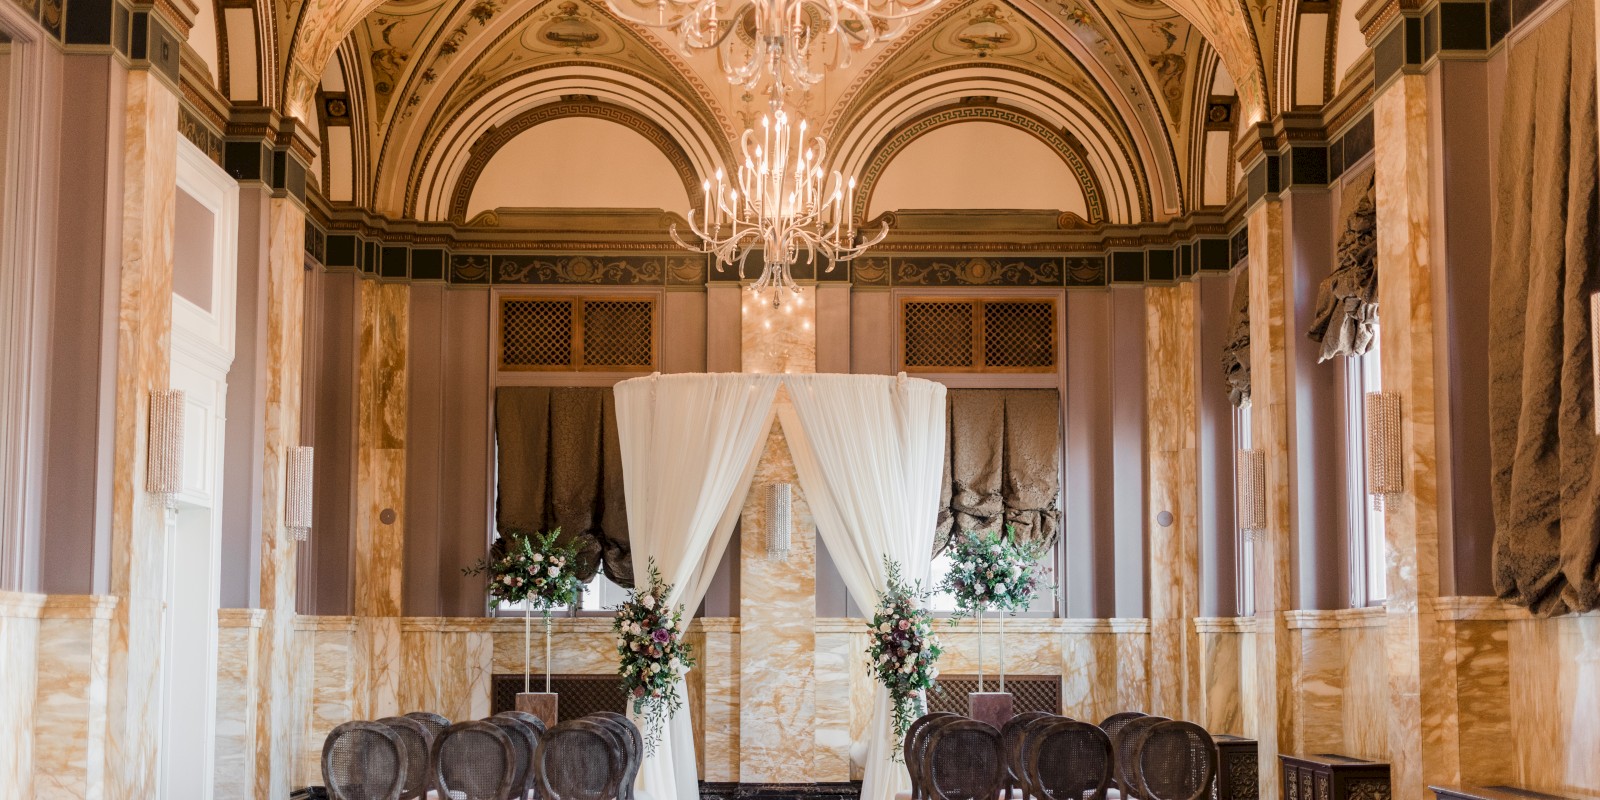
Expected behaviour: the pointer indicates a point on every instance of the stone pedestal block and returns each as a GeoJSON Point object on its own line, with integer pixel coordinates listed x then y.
{"type": "Point", "coordinates": [544, 705]}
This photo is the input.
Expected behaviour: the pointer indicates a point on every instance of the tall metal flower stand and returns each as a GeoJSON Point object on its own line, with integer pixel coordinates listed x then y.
{"type": "Point", "coordinates": [994, 708]}
{"type": "Point", "coordinates": [545, 705]}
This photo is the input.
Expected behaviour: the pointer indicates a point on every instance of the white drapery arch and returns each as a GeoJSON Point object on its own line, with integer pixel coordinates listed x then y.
{"type": "Point", "coordinates": [867, 452]}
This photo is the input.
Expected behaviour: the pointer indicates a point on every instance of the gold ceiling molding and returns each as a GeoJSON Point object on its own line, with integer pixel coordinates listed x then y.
{"type": "Point", "coordinates": [484, 149]}
{"type": "Point", "coordinates": [921, 125]}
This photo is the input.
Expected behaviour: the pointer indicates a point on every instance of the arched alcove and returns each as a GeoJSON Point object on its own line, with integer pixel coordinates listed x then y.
{"type": "Point", "coordinates": [545, 167]}
{"type": "Point", "coordinates": [978, 165]}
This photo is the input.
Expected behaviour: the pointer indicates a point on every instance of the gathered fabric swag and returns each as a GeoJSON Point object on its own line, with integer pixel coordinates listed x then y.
{"type": "Point", "coordinates": [1002, 465]}
{"type": "Point", "coordinates": [1346, 321]}
{"type": "Point", "coordinates": [1236, 354]}
{"type": "Point", "coordinates": [1546, 477]}
{"type": "Point", "coordinates": [560, 466]}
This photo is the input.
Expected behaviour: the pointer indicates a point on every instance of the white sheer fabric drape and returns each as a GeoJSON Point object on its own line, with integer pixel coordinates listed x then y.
{"type": "Point", "coordinates": [868, 450]}
{"type": "Point", "coordinates": [689, 448]}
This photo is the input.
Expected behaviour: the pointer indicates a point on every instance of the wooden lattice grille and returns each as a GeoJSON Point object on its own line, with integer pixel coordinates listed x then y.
{"type": "Point", "coordinates": [578, 333]}
{"type": "Point", "coordinates": [581, 695]}
{"type": "Point", "coordinates": [1028, 692]}
{"type": "Point", "coordinates": [963, 335]}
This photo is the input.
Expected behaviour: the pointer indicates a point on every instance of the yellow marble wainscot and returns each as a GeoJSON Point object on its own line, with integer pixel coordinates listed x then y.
{"type": "Point", "coordinates": [19, 637]}
{"type": "Point", "coordinates": [1222, 653]}
{"type": "Point", "coordinates": [69, 711]}
{"type": "Point", "coordinates": [238, 651]}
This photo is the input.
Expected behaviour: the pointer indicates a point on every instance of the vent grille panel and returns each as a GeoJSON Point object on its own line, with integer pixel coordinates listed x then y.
{"type": "Point", "coordinates": [1028, 692]}
{"type": "Point", "coordinates": [939, 334]}
{"type": "Point", "coordinates": [578, 333]}
{"type": "Point", "coordinates": [618, 333]}
{"type": "Point", "coordinates": [1000, 336]}
{"type": "Point", "coordinates": [581, 695]}
{"type": "Point", "coordinates": [1019, 335]}
{"type": "Point", "coordinates": [536, 333]}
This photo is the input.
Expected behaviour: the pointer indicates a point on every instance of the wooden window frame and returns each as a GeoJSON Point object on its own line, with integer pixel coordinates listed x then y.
{"type": "Point", "coordinates": [577, 303]}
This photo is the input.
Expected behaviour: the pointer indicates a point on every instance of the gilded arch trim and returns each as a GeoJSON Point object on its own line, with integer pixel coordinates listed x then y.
{"type": "Point", "coordinates": [490, 143]}
{"type": "Point", "coordinates": [919, 126]}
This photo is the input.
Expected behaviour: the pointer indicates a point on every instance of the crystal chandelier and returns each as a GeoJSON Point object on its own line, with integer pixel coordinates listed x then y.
{"type": "Point", "coordinates": [779, 205]}
{"type": "Point", "coordinates": [779, 34]}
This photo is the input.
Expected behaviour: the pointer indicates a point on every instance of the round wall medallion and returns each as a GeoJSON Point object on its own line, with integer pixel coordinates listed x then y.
{"type": "Point", "coordinates": [386, 516]}
{"type": "Point", "coordinates": [1164, 519]}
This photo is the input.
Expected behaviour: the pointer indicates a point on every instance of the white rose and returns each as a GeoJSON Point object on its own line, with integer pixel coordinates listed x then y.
{"type": "Point", "coordinates": [654, 668]}
{"type": "Point", "coordinates": [1000, 589]}
{"type": "Point", "coordinates": [554, 572]}
{"type": "Point", "coordinates": [884, 628]}
{"type": "Point", "coordinates": [648, 601]}
{"type": "Point", "coordinates": [979, 588]}
{"type": "Point", "coordinates": [538, 556]}
{"type": "Point", "coordinates": [1016, 571]}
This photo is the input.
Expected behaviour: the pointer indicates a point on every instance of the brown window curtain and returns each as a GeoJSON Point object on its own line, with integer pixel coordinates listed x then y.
{"type": "Point", "coordinates": [1236, 355]}
{"type": "Point", "coordinates": [1002, 464]}
{"type": "Point", "coordinates": [560, 466]}
{"type": "Point", "coordinates": [1347, 300]}
{"type": "Point", "coordinates": [1542, 438]}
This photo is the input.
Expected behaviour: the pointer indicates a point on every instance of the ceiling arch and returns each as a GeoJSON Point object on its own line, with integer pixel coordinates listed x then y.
{"type": "Point", "coordinates": [446, 151]}
{"type": "Point", "coordinates": [1118, 167]}
{"type": "Point", "coordinates": [1015, 118]}
{"type": "Point", "coordinates": [484, 150]}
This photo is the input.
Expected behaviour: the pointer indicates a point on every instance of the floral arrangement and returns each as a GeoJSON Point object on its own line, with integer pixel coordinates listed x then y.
{"type": "Point", "coordinates": [531, 567]}
{"type": "Point", "coordinates": [991, 570]}
{"type": "Point", "coordinates": [903, 648]}
{"type": "Point", "coordinates": [653, 655]}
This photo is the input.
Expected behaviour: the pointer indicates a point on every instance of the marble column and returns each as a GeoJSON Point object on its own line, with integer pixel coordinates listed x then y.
{"type": "Point", "coordinates": [278, 702]}
{"type": "Point", "coordinates": [1424, 730]}
{"type": "Point", "coordinates": [381, 449]}
{"type": "Point", "coordinates": [719, 718]}
{"type": "Point", "coordinates": [138, 521]}
{"type": "Point", "coordinates": [1172, 431]}
{"type": "Point", "coordinates": [1270, 403]}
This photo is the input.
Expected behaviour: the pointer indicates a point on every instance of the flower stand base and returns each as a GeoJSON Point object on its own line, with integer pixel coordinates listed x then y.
{"type": "Point", "coordinates": [991, 707]}
{"type": "Point", "coordinates": [544, 705]}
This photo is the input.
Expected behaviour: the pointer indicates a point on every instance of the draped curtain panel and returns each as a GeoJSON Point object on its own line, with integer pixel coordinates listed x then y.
{"type": "Point", "coordinates": [1236, 354]}
{"type": "Point", "coordinates": [690, 445]}
{"type": "Point", "coordinates": [560, 465]}
{"type": "Point", "coordinates": [1002, 464]}
{"type": "Point", "coordinates": [1346, 322]}
{"type": "Point", "coordinates": [1541, 414]}
{"type": "Point", "coordinates": [866, 449]}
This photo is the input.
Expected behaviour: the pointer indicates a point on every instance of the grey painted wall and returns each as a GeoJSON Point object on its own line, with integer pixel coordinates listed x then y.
{"type": "Point", "coordinates": [1218, 532]}
{"type": "Point", "coordinates": [1088, 512]}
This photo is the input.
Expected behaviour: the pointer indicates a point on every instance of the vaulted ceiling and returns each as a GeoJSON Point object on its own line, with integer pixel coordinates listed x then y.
{"type": "Point", "coordinates": [1124, 91]}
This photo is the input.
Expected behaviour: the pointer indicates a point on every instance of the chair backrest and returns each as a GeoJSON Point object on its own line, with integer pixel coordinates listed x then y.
{"type": "Point", "coordinates": [524, 740]}
{"type": "Point", "coordinates": [1175, 761]}
{"type": "Point", "coordinates": [433, 722]}
{"type": "Point", "coordinates": [525, 718]}
{"type": "Point", "coordinates": [1113, 724]}
{"type": "Point", "coordinates": [363, 761]}
{"type": "Point", "coordinates": [1012, 736]}
{"type": "Point", "coordinates": [579, 759]}
{"type": "Point", "coordinates": [964, 760]}
{"type": "Point", "coordinates": [1068, 760]}
{"type": "Point", "coordinates": [473, 761]}
{"type": "Point", "coordinates": [1126, 746]}
{"type": "Point", "coordinates": [916, 736]}
{"type": "Point", "coordinates": [633, 744]}
{"type": "Point", "coordinates": [418, 744]}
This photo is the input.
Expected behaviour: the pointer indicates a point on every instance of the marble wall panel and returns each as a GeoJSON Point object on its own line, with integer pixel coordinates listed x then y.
{"type": "Point", "coordinates": [422, 663]}
{"type": "Point", "coordinates": [1318, 667]}
{"type": "Point", "coordinates": [69, 711]}
{"type": "Point", "coordinates": [578, 646]}
{"type": "Point", "coordinates": [1133, 663]}
{"type": "Point", "coordinates": [1172, 441]}
{"type": "Point", "coordinates": [330, 677]}
{"type": "Point", "coordinates": [777, 636]}
{"type": "Point", "coordinates": [777, 340]}
{"type": "Point", "coordinates": [1222, 650]}
{"type": "Point", "coordinates": [19, 637]}
{"type": "Point", "coordinates": [238, 644]}
{"type": "Point", "coordinates": [1365, 700]}
{"type": "Point", "coordinates": [1089, 685]}
{"type": "Point", "coordinates": [380, 449]}
{"type": "Point", "coordinates": [831, 664]}
{"type": "Point", "coordinates": [1032, 647]}
{"type": "Point", "coordinates": [719, 717]}
{"type": "Point", "coordinates": [1554, 691]}
{"type": "Point", "coordinates": [379, 666]}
